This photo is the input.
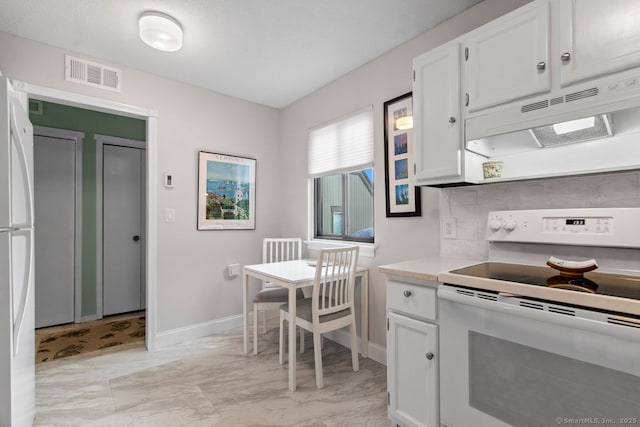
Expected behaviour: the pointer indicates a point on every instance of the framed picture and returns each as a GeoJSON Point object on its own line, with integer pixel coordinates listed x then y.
{"type": "Point", "coordinates": [226, 192]}
{"type": "Point", "coordinates": [403, 196]}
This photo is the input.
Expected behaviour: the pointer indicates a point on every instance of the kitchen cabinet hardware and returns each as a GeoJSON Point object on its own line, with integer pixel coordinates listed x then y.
{"type": "Point", "coordinates": [541, 65]}
{"type": "Point", "coordinates": [452, 119]}
{"type": "Point", "coordinates": [466, 53]}
{"type": "Point", "coordinates": [565, 57]}
{"type": "Point", "coordinates": [466, 99]}
{"type": "Point", "coordinates": [407, 293]}
{"type": "Point", "coordinates": [429, 356]}
{"type": "Point", "coordinates": [136, 238]}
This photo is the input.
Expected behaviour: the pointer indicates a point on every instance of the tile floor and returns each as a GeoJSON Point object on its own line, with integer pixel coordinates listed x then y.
{"type": "Point", "coordinates": [209, 382]}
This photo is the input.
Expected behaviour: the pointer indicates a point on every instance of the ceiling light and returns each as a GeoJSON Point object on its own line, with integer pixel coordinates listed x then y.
{"type": "Point", "coordinates": [160, 31]}
{"type": "Point", "coordinates": [405, 122]}
{"type": "Point", "coordinates": [574, 125]}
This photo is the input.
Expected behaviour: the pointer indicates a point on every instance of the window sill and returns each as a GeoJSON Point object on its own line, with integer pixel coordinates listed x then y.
{"type": "Point", "coordinates": [366, 249]}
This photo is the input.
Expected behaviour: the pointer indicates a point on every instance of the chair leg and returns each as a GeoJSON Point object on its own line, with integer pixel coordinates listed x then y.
{"type": "Point", "coordinates": [281, 338]}
{"type": "Point", "coordinates": [301, 340]}
{"type": "Point", "coordinates": [354, 345]}
{"type": "Point", "coordinates": [255, 328]}
{"type": "Point", "coordinates": [317, 358]}
{"type": "Point", "coordinates": [264, 322]}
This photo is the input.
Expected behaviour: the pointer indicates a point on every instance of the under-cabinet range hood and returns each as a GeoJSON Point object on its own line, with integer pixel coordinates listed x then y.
{"type": "Point", "coordinates": [587, 128]}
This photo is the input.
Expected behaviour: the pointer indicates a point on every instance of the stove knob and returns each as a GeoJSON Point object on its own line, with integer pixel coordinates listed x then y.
{"type": "Point", "coordinates": [495, 225]}
{"type": "Point", "coordinates": [510, 225]}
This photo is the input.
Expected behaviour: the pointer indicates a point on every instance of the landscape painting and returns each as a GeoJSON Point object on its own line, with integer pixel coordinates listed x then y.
{"type": "Point", "coordinates": [226, 192]}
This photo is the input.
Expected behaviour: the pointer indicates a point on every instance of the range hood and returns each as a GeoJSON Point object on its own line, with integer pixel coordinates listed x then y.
{"type": "Point", "coordinates": [588, 128]}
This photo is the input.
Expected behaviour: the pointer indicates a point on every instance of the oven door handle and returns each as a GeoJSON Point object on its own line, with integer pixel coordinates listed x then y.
{"type": "Point", "coordinates": [448, 293]}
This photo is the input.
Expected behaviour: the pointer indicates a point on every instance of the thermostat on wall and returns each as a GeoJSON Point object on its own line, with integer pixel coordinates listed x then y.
{"type": "Point", "coordinates": [168, 180]}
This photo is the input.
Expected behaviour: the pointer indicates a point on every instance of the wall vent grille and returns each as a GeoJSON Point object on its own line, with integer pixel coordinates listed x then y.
{"type": "Point", "coordinates": [582, 94]}
{"type": "Point", "coordinates": [535, 106]}
{"type": "Point", "coordinates": [92, 74]}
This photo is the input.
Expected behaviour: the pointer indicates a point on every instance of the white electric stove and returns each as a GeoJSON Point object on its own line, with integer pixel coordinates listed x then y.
{"type": "Point", "coordinates": [526, 345]}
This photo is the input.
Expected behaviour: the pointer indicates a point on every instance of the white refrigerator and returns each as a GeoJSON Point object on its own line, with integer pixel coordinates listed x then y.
{"type": "Point", "coordinates": [17, 317]}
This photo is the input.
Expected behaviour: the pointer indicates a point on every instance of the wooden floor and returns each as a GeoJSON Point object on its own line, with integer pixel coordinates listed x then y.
{"type": "Point", "coordinates": [79, 338]}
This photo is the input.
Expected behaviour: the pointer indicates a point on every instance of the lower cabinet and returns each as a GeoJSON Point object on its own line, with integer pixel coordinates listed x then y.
{"type": "Point", "coordinates": [412, 357]}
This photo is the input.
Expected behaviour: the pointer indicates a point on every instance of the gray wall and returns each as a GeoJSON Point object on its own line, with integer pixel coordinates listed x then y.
{"type": "Point", "coordinates": [384, 78]}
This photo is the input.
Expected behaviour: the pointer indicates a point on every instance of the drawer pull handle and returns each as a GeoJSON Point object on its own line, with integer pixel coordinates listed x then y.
{"type": "Point", "coordinates": [407, 293]}
{"type": "Point", "coordinates": [429, 356]}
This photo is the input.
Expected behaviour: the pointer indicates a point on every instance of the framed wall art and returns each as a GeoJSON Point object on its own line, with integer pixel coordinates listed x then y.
{"type": "Point", "coordinates": [226, 192]}
{"type": "Point", "coordinates": [402, 195]}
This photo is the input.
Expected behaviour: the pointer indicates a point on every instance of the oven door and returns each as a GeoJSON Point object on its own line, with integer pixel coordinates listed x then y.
{"type": "Point", "coordinates": [512, 361]}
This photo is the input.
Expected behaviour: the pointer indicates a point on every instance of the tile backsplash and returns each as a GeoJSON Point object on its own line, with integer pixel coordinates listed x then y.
{"type": "Point", "coordinates": [470, 205]}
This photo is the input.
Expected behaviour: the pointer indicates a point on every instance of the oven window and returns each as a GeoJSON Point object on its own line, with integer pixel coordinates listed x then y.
{"type": "Point", "coordinates": [524, 386]}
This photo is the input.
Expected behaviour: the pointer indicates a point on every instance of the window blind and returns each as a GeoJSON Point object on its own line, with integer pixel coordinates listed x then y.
{"type": "Point", "coordinates": [342, 145]}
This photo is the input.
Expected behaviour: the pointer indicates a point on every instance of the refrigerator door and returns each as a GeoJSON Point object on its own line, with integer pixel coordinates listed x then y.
{"type": "Point", "coordinates": [17, 318]}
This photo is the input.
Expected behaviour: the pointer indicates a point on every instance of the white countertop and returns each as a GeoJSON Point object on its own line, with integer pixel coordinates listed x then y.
{"type": "Point", "coordinates": [427, 268]}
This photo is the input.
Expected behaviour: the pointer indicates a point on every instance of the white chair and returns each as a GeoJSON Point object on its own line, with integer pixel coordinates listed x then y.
{"type": "Point", "coordinates": [331, 306]}
{"type": "Point", "coordinates": [272, 296]}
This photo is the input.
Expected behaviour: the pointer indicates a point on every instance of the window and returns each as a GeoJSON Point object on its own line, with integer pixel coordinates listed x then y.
{"type": "Point", "coordinates": [340, 165]}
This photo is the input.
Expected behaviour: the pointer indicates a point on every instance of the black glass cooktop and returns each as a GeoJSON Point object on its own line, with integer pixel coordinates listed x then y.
{"type": "Point", "coordinates": [616, 285]}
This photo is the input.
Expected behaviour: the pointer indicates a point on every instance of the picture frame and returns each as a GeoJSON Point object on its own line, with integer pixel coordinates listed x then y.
{"type": "Point", "coordinates": [402, 195]}
{"type": "Point", "coordinates": [226, 192]}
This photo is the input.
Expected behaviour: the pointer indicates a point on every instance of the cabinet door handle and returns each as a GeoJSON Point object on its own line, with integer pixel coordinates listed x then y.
{"type": "Point", "coordinates": [466, 99]}
{"type": "Point", "coordinates": [407, 293]}
{"type": "Point", "coordinates": [541, 65]}
{"type": "Point", "coordinates": [429, 356]}
{"type": "Point", "coordinates": [452, 119]}
{"type": "Point", "coordinates": [565, 56]}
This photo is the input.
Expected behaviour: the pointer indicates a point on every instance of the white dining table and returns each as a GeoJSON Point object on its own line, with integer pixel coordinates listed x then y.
{"type": "Point", "coordinates": [293, 275]}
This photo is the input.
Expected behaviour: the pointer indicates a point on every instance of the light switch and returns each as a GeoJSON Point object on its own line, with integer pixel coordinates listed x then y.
{"type": "Point", "coordinates": [449, 228]}
{"type": "Point", "coordinates": [233, 269]}
{"type": "Point", "coordinates": [169, 215]}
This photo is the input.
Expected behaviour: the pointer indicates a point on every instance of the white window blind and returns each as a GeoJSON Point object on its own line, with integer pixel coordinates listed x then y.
{"type": "Point", "coordinates": [342, 145]}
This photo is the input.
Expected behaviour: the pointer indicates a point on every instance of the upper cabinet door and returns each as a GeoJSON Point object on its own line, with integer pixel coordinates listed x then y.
{"type": "Point", "coordinates": [436, 108]}
{"type": "Point", "coordinates": [598, 37]}
{"type": "Point", "coordinates": [509, 59]}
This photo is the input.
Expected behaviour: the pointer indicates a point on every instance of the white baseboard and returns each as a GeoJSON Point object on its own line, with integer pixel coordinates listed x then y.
{"type": "Point", "coordinates": [376, 352]}
{"type": "Point", "coordinates": [199, 330]}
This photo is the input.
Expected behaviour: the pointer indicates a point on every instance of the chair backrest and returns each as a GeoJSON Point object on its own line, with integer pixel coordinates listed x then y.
{"type": "Point", "coordinates": [334, 281]}
{"type": "Point", "coordinates": [281, 249]}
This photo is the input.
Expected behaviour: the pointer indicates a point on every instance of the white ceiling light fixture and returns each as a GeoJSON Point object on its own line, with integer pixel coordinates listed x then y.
{"type": "Point", "coordinates": [160, 31]}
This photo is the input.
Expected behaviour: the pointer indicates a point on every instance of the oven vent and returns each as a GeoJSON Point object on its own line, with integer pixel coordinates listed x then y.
{"type": "Point", "coordinates": [92, 74]}
{"type": "Point", "coordinates": [582, 94]}
{"type": "Point", "coordinates": [535, 106]}
{"type": "Point", "coordinates": [465, 292]}
{"type": "Point", "coordinates": [624, 321]}
{"type": "Point", "coordinates": [489, 297]}
{"type": "Point", "coordinates": [529, 304]}
{"type": "Point", "coordinates": [562, 310]}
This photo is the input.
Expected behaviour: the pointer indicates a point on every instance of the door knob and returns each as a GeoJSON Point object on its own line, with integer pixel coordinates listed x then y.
{"type": "Point", "coordinates": [136, 238]}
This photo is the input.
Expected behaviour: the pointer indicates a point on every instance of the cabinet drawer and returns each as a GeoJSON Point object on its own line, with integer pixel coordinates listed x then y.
{"type": "Point", "coordinates": [414, 300]}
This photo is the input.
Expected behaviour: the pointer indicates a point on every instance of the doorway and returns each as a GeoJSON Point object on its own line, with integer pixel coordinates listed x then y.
{"type": "Point", "coordinates": [149, 116]}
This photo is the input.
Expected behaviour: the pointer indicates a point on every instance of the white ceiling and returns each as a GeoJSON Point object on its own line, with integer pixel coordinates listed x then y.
{"type": "Point", "coordinates": [272, 52]}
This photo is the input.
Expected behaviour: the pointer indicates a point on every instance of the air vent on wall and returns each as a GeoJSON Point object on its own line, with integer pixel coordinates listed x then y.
{"type": "Point", "coordinates": [92, 74]}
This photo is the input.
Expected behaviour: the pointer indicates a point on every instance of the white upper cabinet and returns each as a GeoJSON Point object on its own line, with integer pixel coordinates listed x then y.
{"type": "Point", "coordinates": [436, 106]}
{"type": "Point", "coordinates": [597, 37]}
{"type": "Point", "coordinates": [509, 58]}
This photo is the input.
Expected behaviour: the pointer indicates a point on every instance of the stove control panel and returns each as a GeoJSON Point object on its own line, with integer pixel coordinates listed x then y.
{"type": "Point", "coordinates": [610, 227]}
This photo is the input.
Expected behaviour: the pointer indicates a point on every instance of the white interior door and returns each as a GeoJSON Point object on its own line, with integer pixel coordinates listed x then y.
{"type": "Point", "coordinates": [123, 225]}
{"type": "Point", "coordinates": [54, 184]}
{"type": "Point", "coordinates": [17, 346]}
